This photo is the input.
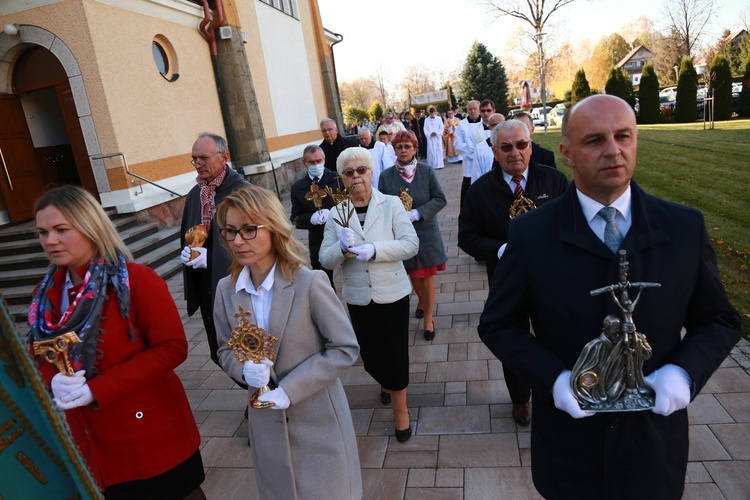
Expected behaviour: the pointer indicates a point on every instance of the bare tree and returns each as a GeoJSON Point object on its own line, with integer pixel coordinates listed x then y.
{"type": "Point", "coordinates": [690, 19]}
{"type": "Point", "coordinates": [417, 79]}
{"type": "Point", "coordinates": [380, 83]}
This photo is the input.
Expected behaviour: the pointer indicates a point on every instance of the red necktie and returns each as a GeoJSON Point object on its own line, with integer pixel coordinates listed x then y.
{"type": "Point", "coordinates": [519, 190]}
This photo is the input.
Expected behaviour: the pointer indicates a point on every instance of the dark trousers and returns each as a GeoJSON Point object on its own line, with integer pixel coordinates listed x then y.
{"type": "Point", "coordinates": [464, 187]}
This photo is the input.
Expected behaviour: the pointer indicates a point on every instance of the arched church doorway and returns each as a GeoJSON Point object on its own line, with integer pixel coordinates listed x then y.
{"type": "Point", "coordinates": [41, 141]}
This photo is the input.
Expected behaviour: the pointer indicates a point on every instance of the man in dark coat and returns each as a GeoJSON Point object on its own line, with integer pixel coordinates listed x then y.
{"type": "Point", "coordinates": [555, 257]}
{"type": "Point", "coordinates": [483, 221]}
{"type": "Point", "coordinates": [304, 213]}
{"type": "Point", "coordinates": [201, 274]}
{"type": "Point", "coordinates": [333, 144]}
{"type": "Point", "coordinates": [539, 154]}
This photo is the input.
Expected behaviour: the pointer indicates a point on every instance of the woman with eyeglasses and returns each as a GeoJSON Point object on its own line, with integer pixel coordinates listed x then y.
{"type": "Point", "coordinates": [428, 199]}
{"type": "Point", "coordinates": [125, 406]}
{"type": "Point", "coordinates": [304, 445]}
{"type": "Point", "coordinates": [376, 286]}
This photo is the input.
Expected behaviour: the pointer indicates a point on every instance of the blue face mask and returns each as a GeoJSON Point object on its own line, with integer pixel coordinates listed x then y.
{"type": "Point", "coordinates": [316, 170]}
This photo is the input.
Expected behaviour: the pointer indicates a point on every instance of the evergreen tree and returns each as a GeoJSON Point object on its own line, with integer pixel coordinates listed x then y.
{"type": "Point", "coordinates": [619, 84]}
{"type": "Point", "coordinates": [745, 94]}
{"type": "Point", "coordinates": [648, 95]}
{"type": "Point", "coordinates": [686, 104]}
{"type": "Point", "coordinates": [375, 111]}
{"type": "Point", "coordinates": [483, 77]}
{"type": "Point", "coordinates": [721, 82]}
{"type": "Point", "coordinates": [581, 88]}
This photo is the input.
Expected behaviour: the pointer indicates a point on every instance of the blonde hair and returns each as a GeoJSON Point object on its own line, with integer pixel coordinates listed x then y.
{"type": "Point", "coordinates": [86, 214]}
{"type": "Point", "coordinates": [262, 207]}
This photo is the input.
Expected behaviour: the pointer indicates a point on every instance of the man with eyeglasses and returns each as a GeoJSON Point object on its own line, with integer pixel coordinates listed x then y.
{"type": "Point", "coordinates": [304, 213]}
{"type": "Point", "coordinates": [555, 257]}
{"type": "Point", "coordinates": [486, 213]}
{"type": "Point", "coordinates": [201, 274]}
{"type": "Point", "coordinates": [333, 144]}
{"type": "Point", "coordinates": [470, 142]}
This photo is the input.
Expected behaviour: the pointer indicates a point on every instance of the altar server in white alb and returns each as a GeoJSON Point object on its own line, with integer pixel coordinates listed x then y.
{"type": "Point", "coordinates": [433, 132]}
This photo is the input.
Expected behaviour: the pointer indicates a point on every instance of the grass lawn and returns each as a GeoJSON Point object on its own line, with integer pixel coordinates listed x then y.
{"type": "Point", "coordinates": [705, 169]}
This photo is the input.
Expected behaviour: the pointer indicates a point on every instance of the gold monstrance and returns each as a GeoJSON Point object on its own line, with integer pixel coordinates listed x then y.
{"type": "Point", "coordinates": [521, 206]}
{"type": "Point", "coordinates": [55, 351]}
{"type": "Point", "coordinates": [406, 199]}
{"type": "Point", "coordinates": [251, 342]}
{"type": "Point", "coordinates": [316, 196]}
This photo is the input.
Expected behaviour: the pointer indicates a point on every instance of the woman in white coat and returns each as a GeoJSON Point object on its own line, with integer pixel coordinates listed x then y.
{"type": "Point", "coordinates": [304, 446]}
{"type": "Point", "coordinates": [376, 286]}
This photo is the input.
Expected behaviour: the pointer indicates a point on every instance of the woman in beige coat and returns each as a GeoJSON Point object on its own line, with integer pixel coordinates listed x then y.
{"type": "Point", "coordinates": [304, 446]}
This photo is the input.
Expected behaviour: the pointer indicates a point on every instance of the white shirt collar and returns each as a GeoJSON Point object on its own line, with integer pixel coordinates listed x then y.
{"type": "Point", "coordinates": [591, 207]}
{"type": "Point", "coordinates": [245, 282]}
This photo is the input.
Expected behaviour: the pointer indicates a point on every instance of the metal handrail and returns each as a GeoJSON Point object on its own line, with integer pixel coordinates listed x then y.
{"type": "Point", "coordinates": [127, 170]}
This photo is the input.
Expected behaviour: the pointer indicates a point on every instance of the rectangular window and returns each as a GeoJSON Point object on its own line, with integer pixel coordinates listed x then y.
{"type": "Point", "coordinates": [288, 7]}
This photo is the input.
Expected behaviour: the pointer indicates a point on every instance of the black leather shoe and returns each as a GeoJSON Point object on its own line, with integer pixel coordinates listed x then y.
{"type": "Point", "coordinates": [429, 334]}
{"type": "Point", "coordinates": [521, 413]}
{"type": "Point", "coordinates": [404, 435]}
{"type": "Point", "coordinates": [385, 398]}
{"type": "Point", "coordinates": [419, 313]}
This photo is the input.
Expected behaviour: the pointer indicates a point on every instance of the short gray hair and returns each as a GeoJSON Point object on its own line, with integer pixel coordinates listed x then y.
{"type": "Point", "coordinates": [221, 143]}
{"type": "Point", "coordinates": [327, 120]}
{"type": "Point", "coordinates": [312, 148]}
{"type": "Point", "coordinates": [350, 154]}
{"type": "Point", "coordinates": [508, 126]}
{"type": "Point", "coordinates": [364, 130]}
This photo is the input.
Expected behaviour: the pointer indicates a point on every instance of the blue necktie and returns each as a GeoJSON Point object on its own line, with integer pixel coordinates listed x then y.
{"type": "Point", "coordinates": [316, 180]}
{"type": "Point", "coordinates": [612, 236]}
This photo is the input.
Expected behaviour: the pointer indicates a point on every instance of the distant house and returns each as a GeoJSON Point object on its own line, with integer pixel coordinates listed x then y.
{"type": "Point", "coordinates": [733, 38]}
{"type": "Point", "coordinates": [634, 61]}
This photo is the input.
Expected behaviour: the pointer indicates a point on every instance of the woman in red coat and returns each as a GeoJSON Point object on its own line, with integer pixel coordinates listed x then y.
{"type": "Point", "coordinates": [126, 408]}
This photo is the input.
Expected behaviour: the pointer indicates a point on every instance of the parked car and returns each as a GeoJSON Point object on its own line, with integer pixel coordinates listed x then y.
{"type": "Point", "coordinates": [670, 92]}
{"type": "Point", "coordinates": [537, 115]}
{"type": "Point", "coordinates": [555, 117]}
{"type": "Point", "coordinates": [512, 113]}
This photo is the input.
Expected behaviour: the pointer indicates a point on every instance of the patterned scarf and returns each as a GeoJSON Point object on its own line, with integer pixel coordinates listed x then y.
{"type": "Point", "coordinates": [406, 171]}
{"type": "Point", "coordinates": [208, 190]}
{"type": "Point", "coordinates": [84, 314]}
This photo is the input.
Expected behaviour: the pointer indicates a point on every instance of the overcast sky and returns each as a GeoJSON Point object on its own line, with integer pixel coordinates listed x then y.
{"type": "Point", "coordinates": [439, 33]}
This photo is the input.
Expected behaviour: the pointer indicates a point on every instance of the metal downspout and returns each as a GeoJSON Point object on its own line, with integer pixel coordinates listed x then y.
{"type": "Point", "coordinates": [335, 73]}
{"type": "Point", "coordinates": [208, 33]}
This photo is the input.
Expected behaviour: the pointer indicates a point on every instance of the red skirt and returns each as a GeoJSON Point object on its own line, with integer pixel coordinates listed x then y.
{"type": "Point", "coordinates": [426, 272]}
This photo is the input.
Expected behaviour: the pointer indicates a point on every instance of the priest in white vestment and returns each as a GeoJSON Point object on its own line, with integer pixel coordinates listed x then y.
{"type": "Point", "coordinates": [433, 132]}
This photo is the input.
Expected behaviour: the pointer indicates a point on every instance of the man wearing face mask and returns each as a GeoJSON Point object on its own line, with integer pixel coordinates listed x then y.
{"type": "Point", "coordinates": [304, 213]}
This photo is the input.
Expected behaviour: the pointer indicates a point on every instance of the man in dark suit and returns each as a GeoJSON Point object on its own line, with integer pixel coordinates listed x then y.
{"type": "Point", "coordinates": [541, 155]}
{"type": "Point", "coordinates": [304, 213]}
{"type": "Point", "coordinates": [483, 221]}
{"type": "Point", "coordinates": [555, 257]}
{"type": "Point", "coordinates": [333, 143]}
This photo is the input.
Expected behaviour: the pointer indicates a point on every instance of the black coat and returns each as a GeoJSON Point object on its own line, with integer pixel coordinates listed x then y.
{"type": "Point", "coordinates": [332, 151]}
{"type": "Point", "coordinates": [542, 156]}
{"type": "Point", "coordinates": [483, 221]}
{"type": "Point", "coordinates": [302, 210]}
{"type": "Point", "coordinates": [552, 262]}
{"type": "Point", "coordinates": [204, 281]}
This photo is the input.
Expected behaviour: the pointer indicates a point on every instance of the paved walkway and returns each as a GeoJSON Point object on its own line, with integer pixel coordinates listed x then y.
{"type": "Point", "coordinates": [465, 444]}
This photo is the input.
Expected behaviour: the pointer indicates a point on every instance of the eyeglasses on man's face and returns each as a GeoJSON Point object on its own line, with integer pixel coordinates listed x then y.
{"type": "Point", "coordinates": [349, 172]}
{"type": "Point", "coordinates": [202, 160]}
{"type": "Point", "coordinates": [246, 232]}
{"type": "Point", "coordinates": [403, 145]}
{"type": "Point", "coordinates": [507, 147]}
{"type": "Point", "coordinates": [487, 110]}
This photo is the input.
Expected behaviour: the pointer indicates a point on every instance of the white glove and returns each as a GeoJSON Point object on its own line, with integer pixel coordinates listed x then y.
{"type": "Point", "coordinates": [200, 262]}
{"type": "Point", "coordinates": [278, 397]}
{"type": "Point", "coordinates": [319, 218]}
{"type": "Point", "coordinates": [364, 252]}
{"type": "Point", "coordinates": [414, 215]}
{"type": "Point", "coordinates": [501, 250]}
{"type": "Point", "coordinates": [257, 374]}
{"type": "Point", "coordinates": [671, 384]}
{"type": "Point", "coordinates": [62, 385]}
{"type": "Point", "coordinates": [346, 238]}
{"type": "Point", "coordinates": [564, 398]}
{"type": "Point", "coordinates": [76, 398]}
